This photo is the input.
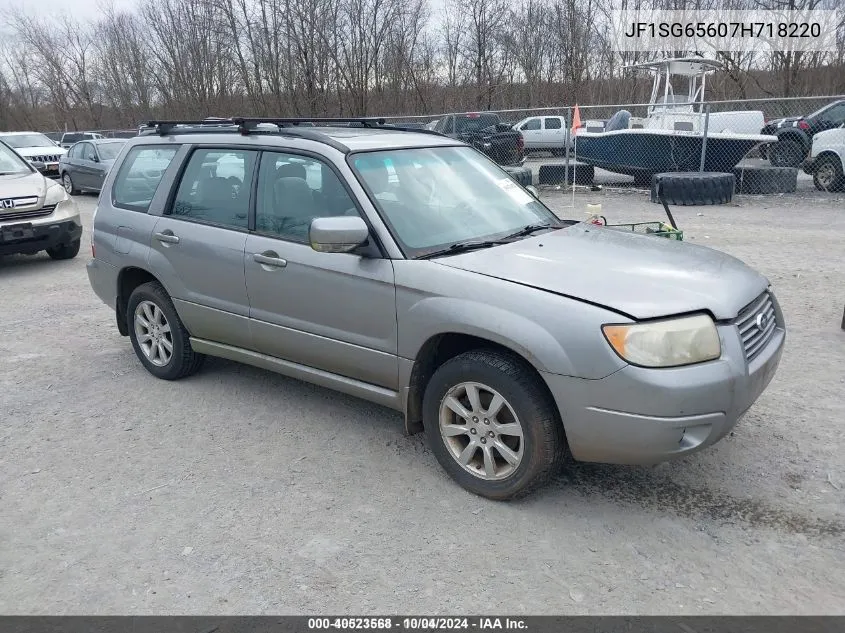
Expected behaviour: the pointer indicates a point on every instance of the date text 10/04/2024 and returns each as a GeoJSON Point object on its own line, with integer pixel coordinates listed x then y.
{"type": "Point", "coordinates": [418, 624]}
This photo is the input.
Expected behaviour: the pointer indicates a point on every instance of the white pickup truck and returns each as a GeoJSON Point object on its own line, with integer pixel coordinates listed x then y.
{"type": "Point", "coordinates": [544, 133]}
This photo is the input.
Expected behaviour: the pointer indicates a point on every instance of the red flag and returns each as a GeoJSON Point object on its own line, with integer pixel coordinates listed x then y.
{"type": "Point", "coordinates": [576, 120]}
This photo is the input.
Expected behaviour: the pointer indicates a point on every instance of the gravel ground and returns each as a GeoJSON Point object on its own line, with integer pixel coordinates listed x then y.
{"type": "Point", "coordinates": [241, 491]}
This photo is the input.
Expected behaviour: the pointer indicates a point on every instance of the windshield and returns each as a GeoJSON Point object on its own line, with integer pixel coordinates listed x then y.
{"type": "Point", "coordinates": [11, 163]}
{"type": "Point", "coordinates": [109, 151]}
{"type": "Point", "coordinates": [28, 140]}
{"type": "Point", "coordinates": [435, 197]}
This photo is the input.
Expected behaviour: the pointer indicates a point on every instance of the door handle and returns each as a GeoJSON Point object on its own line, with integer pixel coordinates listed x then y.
{"type": "Point", "coordinates": [167, 237]}
{"type": "Point", "coordinates": [269, 258]}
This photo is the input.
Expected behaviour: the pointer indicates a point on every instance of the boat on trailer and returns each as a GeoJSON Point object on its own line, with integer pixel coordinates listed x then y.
{"type": "Point", "coordinates": [671, 135]}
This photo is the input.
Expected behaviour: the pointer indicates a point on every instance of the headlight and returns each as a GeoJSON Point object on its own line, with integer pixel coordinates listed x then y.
{"type": "Point", "coordinates": [668, 343]}
{"type": "Point", "coordinates": [55, 195]}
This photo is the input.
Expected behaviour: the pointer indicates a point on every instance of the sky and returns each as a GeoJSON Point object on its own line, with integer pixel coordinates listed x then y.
{"type": "Point", "coordinates": [82, 9]}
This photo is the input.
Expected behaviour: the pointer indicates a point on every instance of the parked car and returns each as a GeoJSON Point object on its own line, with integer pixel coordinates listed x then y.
{"type": "Point", "coordinates": [35, 212]}
{"type": "Point", "coordinates": [544, 133]}
{"type": "Point", "coordinates": [34, 146]}
{"type": "Point", "coordinates": [795, 134]}
{"type": "Point", "coordinates": [86, 164]}
{"type": "Point", "coordinates": [485, 132]}
{"type": "Point", "coordinates": [412, 271]}
{"type": "Point", "coordinates": [71, 138]}
{"type": "Point", "coordinates": [826, 160]}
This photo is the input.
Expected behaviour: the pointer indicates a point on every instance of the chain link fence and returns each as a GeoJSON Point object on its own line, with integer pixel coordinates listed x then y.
{"type": "Point", "coordinates": [765, 143]}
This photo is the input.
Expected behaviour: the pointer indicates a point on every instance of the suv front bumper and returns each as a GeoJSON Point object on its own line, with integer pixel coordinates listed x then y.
{"type": "Point", "coordinates": [29, 237]}
{"type": "Point", "coordinates": [646, 416]}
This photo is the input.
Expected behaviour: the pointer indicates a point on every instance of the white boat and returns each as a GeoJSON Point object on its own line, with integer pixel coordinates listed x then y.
{"type": "Point", "coordinates": [671, 136]}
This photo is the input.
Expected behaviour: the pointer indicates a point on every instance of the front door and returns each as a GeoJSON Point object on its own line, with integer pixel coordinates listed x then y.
{"type": "Point", "coordinates": [330, 311]}
{"type": "Point", "coordinates": [197, 246]}
{"type": "Point", "coordinates": [532, 133]}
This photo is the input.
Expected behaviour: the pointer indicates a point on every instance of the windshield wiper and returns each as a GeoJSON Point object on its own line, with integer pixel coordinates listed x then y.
{"type": "Point", "coordinates": [462, 247]}
{"type": "Point", "coordinates": [528, 230]}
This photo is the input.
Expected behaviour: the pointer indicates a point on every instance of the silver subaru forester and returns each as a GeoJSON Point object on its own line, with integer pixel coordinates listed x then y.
{"type": "Point", "coordinates": [407, 268]}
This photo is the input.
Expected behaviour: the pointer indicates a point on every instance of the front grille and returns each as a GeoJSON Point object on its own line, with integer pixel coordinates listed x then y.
{"type": "Point", "coordinates": [47, 158]}
{"type": "Point", "coordinates": [757, 323]}
{"type": "Point", "coordinates": [29, 213]}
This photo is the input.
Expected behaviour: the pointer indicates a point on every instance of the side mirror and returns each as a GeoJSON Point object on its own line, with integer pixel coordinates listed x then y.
{"type": "Point", "coordinates": [533, 191]}
{"type": "Point", "coordinates": [337, 234]}
{"type": "Point", "coordinates": [41, 167]}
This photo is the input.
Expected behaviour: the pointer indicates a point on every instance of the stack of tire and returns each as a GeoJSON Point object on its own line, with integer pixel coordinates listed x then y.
{"type": "Point", "coordinates": [765, 179]}
{"type": "Point", "coordinates": [693, 188]}
{"type": "Point", "coordinates": [523, 175]}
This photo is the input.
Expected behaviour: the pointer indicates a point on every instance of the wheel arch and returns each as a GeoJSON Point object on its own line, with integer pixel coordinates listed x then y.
{"type": "Point", "coordinates": [128, 279]}
{"type": "Point", "coordinates": [830, 153]}
{"type": "Point", "coordinates": [442, 347]}
{"type": "Point", "coordinates": [794, 134]}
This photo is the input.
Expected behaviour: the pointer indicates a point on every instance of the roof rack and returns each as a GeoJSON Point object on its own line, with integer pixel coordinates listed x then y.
{"type": "Point", "coordinates": [287, 126]}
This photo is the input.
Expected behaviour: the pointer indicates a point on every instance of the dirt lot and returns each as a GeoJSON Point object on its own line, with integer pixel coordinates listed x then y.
{"type": "Point", "coordinates": [240, 491]}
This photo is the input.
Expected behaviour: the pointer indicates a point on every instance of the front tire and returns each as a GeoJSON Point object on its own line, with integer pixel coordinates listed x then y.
{"type": "Point", "coordinates": [828, 175]}
{"type": "Point", "coordinates": [158, 336]}
{"type": "Point", "coordinates": [492, 425]}
{"type": "Point", "coordinates": [64, 251]}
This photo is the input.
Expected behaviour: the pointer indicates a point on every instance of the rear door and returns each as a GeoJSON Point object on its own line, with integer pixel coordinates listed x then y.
{"type": "Point", "coordinates": [331, 311]}
{"type": "Point", "coordinates": [85, 166]}
{"type": "Point", "coordinates": [554, 132]}
{"type": "Point", "coordinates": [197, 245]}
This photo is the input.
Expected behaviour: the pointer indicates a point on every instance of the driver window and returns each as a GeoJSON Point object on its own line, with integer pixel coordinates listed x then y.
{"type": "Point", "coordinates": [90, 152]}
{"type": "Point", "coordinates": [292, 191]}
{"type": "Point", "coordinates": [531, 124]}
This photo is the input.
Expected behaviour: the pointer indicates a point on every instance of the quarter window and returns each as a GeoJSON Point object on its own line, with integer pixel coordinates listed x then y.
{"type": "Point", "coordinates": [139, 176]}
{"type": "Point", "coordinates": [292, 191]}
{"type": "Point", "coordinates": [216, 187]}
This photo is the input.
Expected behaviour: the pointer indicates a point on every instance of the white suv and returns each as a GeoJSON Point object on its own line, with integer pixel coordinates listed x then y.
{"type": "Point", "coordinates": [36, 147]}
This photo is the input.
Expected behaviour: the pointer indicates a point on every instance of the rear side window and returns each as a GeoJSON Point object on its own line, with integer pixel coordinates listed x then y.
{"type": "Point", "coordinates": [140, 175]}
{"type": "Point", "coordinates": [552, 123]}
{"type": "Point", "coordinates": [216, 187]}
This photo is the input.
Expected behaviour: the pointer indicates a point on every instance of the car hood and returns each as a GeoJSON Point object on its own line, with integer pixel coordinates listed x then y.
{"type": "Point", "coordinates": [22, 186]}
{"type": "Point", "coordinates": [28, 152]}
{"type": "Point", "coordinates": [637, 275]}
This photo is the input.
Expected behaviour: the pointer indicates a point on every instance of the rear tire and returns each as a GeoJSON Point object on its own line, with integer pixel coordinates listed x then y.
{"type": "Point", "coordinates": [64, 251]}
{"type": "Point", "coordinates": [509, 451]}
{"type": "Point", "coordinates": [786, 153]}
{"type": "Point", "coordinates": [158, 336]}
{"type": "Point", "coordinates": [67, 182]}
{"type": "Point", "coordinates": [693, 188]}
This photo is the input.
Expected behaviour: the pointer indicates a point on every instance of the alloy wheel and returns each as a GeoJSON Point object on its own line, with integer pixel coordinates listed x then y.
{"type": "Point", "coordinates": [153, 333]}
{"type": "Point", "coordinates": [481, 431]}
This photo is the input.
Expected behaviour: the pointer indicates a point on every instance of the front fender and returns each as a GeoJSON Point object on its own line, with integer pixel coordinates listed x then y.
{"type": "Point", "coordinates": [438, 315]}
